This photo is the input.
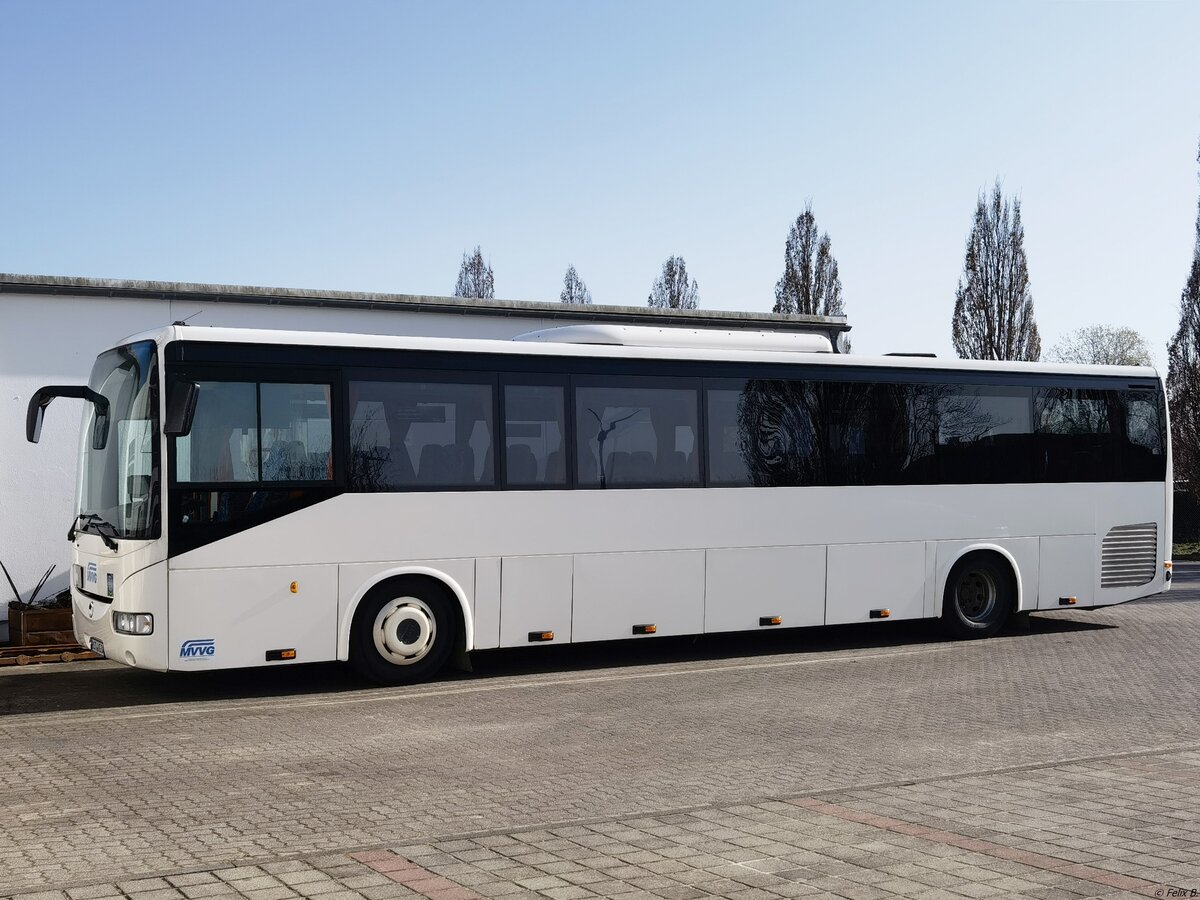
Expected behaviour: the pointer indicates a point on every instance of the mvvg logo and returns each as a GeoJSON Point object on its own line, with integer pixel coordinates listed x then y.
{"type": "Point", "coordinates": [200, 647]}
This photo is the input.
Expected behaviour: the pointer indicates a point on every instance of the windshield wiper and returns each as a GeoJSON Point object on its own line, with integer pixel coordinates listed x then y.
{"type": "Point", "coordinates": [95, 522]}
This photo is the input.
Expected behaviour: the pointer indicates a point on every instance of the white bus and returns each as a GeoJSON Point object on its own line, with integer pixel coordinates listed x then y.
{"type": "Point", "coordinates": [253, 498]}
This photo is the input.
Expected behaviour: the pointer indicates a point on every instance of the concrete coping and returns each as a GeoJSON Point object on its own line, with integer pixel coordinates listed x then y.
{"type": "Point", "coordinates": [228, 293]}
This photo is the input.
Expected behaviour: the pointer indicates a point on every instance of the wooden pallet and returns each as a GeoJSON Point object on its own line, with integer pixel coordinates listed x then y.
{"type": "Point", "coordinates": [40, 627]}
{"type": "Point", "coordinates": [43, 653]}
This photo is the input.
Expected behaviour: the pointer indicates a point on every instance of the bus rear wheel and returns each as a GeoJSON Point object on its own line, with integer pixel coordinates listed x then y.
{"type": "Point", "coordinates": [980, 594]}
{"type": "Point", "coordinates": [404, 631]}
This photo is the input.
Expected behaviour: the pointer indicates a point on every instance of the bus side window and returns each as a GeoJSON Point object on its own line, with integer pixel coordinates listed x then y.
{"type": "Point", "coordinates": [1144, 451]}
{"type": "Point", "coordinates": [1075, 434]}
{"type": "Point", "coordinates": [726, 465]}
{"type": "Point", "coordinates": [982, 433]}
{"type": "Point", "coordinates": [295, 432]}
{"type": "Point", "coordinates": [637, 435]}
{"type": "Point", "coordinates": [222, 445]}
{"type": "Point", "coordinates": [777, 435]}
{"type": "Point", "coordinates": [248, 439]}
{"type": "Point", "coordinates": [411, 435]}
{"type": "Point", "coordinates": [534, 426]}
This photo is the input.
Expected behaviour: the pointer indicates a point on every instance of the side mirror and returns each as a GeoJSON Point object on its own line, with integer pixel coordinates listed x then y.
{"type": "Point", "coordinates": [182, 397]}
{"type": "Point", "coordinates": [100, 428]}
{"type": "Point", "coordinates": [36, 412]}
{"type": "Point", "coordinates": [34, 416]}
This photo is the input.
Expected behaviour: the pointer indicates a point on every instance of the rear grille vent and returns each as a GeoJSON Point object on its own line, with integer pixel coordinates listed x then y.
{"type": "Point", "coordinates": [1130, 556]}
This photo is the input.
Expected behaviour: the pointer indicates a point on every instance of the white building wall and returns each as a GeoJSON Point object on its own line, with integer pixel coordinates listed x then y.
{"type": "Point", "coordinates": [54, 339]}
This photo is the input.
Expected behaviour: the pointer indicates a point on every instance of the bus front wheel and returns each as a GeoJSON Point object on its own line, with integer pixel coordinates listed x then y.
{"type": "Point", "coordinates": [404, 631]}
{"type": "Point", "coordinates": [980, 594]}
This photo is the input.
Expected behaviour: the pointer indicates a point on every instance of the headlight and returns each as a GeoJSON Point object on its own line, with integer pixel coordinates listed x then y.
{"type": "Point", "coordinates": [133, 623]}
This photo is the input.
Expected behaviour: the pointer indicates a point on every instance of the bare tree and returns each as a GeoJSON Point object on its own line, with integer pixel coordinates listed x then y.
{"type": "Point", "coordinates": [475, 277]}
{"type": "Point", "coordinates": [574, 289]}
{"type": "Point", "coordinates": [993, 308]}
{"type": "Point", "coordinates": [1183, 376]}
{"type": "Point", "coordinates": [671, 289]}
{"type": "Point", "coordinates": [810, 284]}
{"type": "Point", "coordinates": [1102, 345]}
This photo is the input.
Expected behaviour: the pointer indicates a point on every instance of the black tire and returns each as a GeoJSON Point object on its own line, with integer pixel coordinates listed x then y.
{"type": "Point", "coordinates": [980, 594]}
{"type": "Point", "coordinates": [404, 631]}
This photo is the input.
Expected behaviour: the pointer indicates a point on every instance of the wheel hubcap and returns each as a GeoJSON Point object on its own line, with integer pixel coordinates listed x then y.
{"type": "Point", "coordinates": [404, 630]}
{"type": "Point", "coordinates": [976, 595]}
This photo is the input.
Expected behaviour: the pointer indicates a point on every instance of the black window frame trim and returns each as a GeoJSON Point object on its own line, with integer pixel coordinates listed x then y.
{"type": "Point", "coordinates": [339, 366]}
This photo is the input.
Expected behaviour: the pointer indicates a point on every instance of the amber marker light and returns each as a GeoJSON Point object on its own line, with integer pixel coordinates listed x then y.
{"type": "Point", "coordinates": [645, 629]}
{"type": "Point", "coordinates": [295, 588]}
{"type": "Point", "coordinates": [1067, 601]}
{"type": "Point", "coordinates": [880, 613]}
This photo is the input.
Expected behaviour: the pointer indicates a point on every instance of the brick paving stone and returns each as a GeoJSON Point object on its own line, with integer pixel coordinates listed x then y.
{"type": "Point", "coordinates": [190, 879]}
{"type": "Point", "coordinates": [94, 892]}
{"type": "Point", "coordinates": [895, 814]}
{"type": "Point", "coordinates": [254, 882]}
{"type": "Point", "coordinates": [317, 888]}
{"type": "Point", "coordinates": [302, 876]}
{"type": "Point", "coordinates": [386, 892]}
{"type": "Point", "coordinates": [206, 891]}
{"type": "Point", "coordinates": [142, 884]}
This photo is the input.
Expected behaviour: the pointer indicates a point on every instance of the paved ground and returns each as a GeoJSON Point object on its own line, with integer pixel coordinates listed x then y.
{"type": "Point", "coordinates": [1058, 761]}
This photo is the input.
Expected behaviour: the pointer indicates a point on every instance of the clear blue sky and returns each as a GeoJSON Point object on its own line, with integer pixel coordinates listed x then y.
{"type": "Point", "coordinates": [364, 146]}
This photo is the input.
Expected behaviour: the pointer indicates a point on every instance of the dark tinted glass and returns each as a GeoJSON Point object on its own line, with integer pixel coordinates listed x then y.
{"type": "Point", "coordinates": [726, 448]}
{"type": "Point", "coordinates": [535, 424]}
{"type": "Point", "coordinates": [640, 434]}
{"type": "Point", "coordinates": [982, 433]}
{"type": "Point", "coordinates": [790, 433]}
{"type": "Point", "coordinates": [876, 433]}
{"type": "Point", "coordinates": [777, 433]}
{"type": "Point", "coordinates": [1077, 434]}
{"type": "Point", "coordinates": [407, 435]}
{"type": "Point", "coordinates": [1145, 457]}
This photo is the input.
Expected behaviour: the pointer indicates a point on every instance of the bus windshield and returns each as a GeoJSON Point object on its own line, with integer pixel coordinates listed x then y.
{"type": "Point", "coordinates": [119, 476]}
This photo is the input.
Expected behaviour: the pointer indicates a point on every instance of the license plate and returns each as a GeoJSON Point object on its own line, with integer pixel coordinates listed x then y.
{"type": "Point", "coordinates": [97, 647]}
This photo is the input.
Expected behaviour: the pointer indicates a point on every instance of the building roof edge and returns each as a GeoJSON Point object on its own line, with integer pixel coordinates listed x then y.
{"type": "Point", "coordinates": [228, 293]}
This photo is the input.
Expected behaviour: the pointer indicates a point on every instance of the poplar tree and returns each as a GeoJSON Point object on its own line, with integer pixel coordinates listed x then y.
{"type": "Point", "coordinates": [810, 284]}
{"type": "Point", "coordinates": [475, 277]}
{"type": "Point", "coordinates": [1183, 376]}
{"type": "Point", "coordinates": [671, 289]}
{"type": "Point", "coordinates": [993, 307]}
{"type": "Point", "coordinates": [575, 291]}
